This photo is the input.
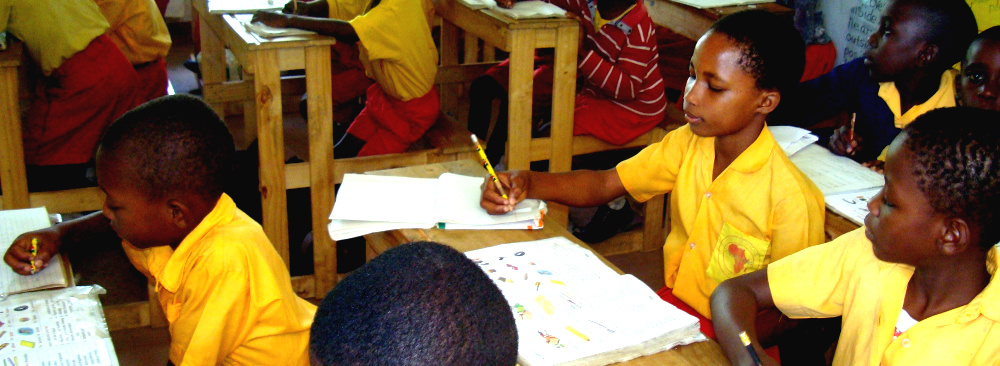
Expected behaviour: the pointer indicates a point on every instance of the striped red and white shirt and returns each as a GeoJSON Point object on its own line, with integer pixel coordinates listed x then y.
{"type": "Point", "coordinates": [621, 59]}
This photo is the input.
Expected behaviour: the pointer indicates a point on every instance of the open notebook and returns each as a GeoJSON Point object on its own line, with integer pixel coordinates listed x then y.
{"type": "Point", "coordinates": [372, 203]}
{"type": "Point", "coordinates": [17, 222]}
{"type": "Point", "coordinates": [572, 309]}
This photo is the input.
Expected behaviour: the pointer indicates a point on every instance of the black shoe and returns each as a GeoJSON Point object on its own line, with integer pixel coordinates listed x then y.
{"type": "Point", "coordinates": [193, 66]}
{"type": "Point", "coordinates": [606, 223]}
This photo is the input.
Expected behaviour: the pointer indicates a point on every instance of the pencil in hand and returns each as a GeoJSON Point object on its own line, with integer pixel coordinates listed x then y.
{"type": "Point", "coordinates": [746, 343]}
{"type": "Point", "coordinates": [489, 168]}
{"type": "Point", "coordinates": [34, 254]}
{"type": "Point", "coordinates": [853, 117]}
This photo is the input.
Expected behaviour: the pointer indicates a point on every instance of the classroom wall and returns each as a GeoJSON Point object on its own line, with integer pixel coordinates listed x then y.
{"type": "Point", "coordinates": [850, 22]}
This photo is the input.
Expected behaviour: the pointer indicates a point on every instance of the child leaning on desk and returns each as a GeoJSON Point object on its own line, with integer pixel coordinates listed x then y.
{"type": "Point", "coordinates": [396, 49]}
{"type": "Point", "coordinates": [906, 71]}
{"type": "Point", "coordinates": [917, 285]}
{"type": "Point", "coordinates": [224, 289]}
{"type": "Point", "coordinates": [736, 203]}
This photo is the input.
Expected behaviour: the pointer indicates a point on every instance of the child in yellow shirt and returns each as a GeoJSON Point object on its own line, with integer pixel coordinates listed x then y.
{"type": "Point", "coordinates": [225, 291]}
{"type": "Point", "coordinates": [421, 303]}
{"type": "Point", "coordinates": [397, 51]}
{"type": "Point", "coordinates": [918, 284]}
{"type": "Point", "coordinates": [736, 203]}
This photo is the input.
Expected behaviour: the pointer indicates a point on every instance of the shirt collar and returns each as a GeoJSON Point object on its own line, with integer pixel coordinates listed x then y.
{"type": "Point", "coordinates": [988, 301]}
{"type": "Point", "coordinates": [944, 97]}
{"type": "Point", "coordinates": [756, 155]}
{"type": "Point", "coordinates": [174, 271]}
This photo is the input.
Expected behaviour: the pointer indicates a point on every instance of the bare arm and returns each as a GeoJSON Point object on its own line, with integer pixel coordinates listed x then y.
{"type": "Point", "coordinates": [735, 304]}
{"type": "Point", "coordinates": [579, 188]}
{"type": "Point", "coordinates": [339, 29]}
{"type": "Point", "coordinates": [52, 239]}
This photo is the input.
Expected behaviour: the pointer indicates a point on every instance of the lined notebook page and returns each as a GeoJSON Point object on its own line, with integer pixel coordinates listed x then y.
{"type": "Point", "coordinates": [17, 222]}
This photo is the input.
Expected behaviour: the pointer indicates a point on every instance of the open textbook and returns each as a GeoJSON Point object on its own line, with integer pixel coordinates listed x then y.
{"type": "Point", "coordinates": [372, 203]}
{"type": "Point", "coordinates": [243, 6]}
{"type": "Point", "coordinates": [17, 222]}
{"type": "Point", "coordinates": [835, 174]}
{"type": "Point", "coordinates": [572, 309]}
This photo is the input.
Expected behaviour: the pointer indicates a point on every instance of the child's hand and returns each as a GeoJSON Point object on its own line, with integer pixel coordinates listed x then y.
{"type": "Point", "coordinates": [277, 20]}
{"type": "Point", "coordinates": [516, 184]}
{"type": "Point", "coordinates": [875, 165]}
{"type": "Point", "coordinates": [19, 257]}
{"type": "Point", "coordinates": [506, 4]}
{"type": "Point", "coordinates": [842, 143]}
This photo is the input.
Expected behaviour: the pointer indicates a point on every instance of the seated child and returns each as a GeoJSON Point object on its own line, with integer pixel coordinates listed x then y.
{"type": "Point", "coordinates": [396, 49]}
{"type": "Point", "coordinates": [223, 287]}
{"type": "Point", "coordinates": [622, 93]}
{"type": "Point", "coordinates": [417, 304]}
{"type": "Point", "coordinates": [979, 84]}
{"type": "Point", "coordinates": [85, 83]}
{"type": "Point", "coordinates": [736, 203]}
{"type": "Point", "coordinates": [917, 285]}
{"type": "Point", "coordinates": [137, 27]}
{"type": "Point", "coordinates": [906, 72]}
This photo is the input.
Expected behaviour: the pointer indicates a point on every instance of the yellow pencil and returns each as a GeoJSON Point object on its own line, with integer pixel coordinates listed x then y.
{"type": "Point", "coordinates": [489, 168]}
{"type": "Point", "coordinates": [34, 253]}
{"type": "Point", "coordinates": [853, 116]}
{"type": "Point", "coordinates": [578, 333]}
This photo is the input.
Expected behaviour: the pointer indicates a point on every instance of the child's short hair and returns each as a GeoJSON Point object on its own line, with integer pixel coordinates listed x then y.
{"type": "Point", "coordinates": [951, 25]}
{"type": "Point", "coordinates": [174, 143]}
{"type": "Point", "coordinates": [957, 153]}
{"type": "Point", "coordinates": [773, 51]}
{"type": "Point", "coordinates": [991, 34]}
{"type": "Point", "coordinates": [419, 304]}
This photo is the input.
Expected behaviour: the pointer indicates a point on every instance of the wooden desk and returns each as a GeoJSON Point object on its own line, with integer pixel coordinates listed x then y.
{"type": "Point", "coordinates": [521, 38]}
{"type": "Point", "coordinates": [692, 22]}
{"type": "Point", "coordinates": [260, 91]}
{"type": "Point", "coordinates": [13, 179]}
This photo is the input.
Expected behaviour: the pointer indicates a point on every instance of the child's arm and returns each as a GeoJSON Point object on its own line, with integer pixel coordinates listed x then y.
{"type": "Point", "coordinates": [623, 79]}
{"type": "Point", "coordinates": [579, 188]}
{"type": "Point", "coordinates": [339, 29]}
{"type": "Point", "coordinates": [52, 239]}
{"type": "Point", "coordinates": [735, 304]}
{"type": "Point", "coordinates": [318, 8]}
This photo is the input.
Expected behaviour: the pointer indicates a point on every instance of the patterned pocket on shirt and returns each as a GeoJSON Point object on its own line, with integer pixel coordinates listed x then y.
{"type": "Point", "coordinates": [736, 253]}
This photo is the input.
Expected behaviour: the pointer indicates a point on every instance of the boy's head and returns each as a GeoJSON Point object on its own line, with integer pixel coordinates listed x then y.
{"type": "Point", "coordinates": [419, 304]}
{"type": "Point", "coordinates": [979, 84]}
{"type": "Point", "coordinates": [919, 34]}
{"type": "Point", "coordinates": [163, 166]}
{"type": "Point", "coordinates": [738, 71]}
{"type": "Point", "coordinates": [942, 176]}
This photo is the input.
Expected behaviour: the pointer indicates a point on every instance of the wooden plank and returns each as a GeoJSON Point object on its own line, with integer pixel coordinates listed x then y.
{"type": "Point", "coordinates": [270, 138]}
{"type": "Point", "coordinates": [688, 21]}
{"type": "Point", "coordinates": [464, 73]}
{"type": "Point", "coordinates": [13, 176]}
{"type": "Point", "coordinates": [653, 225]}
{"type": "Point", "coordinates": [213, 54]}
{"type": "Point", "coordinates": [70, 200]}
{"type": "Point", "coordinates": [321, 164]}
{"type": "Point", "coordinates": [305, 287]}
{"type": "Point", "coordinates": [837, 225]}
{"type": "Point", "coordinates": [522, 58]}
{"type": "Point", "coordinates": [127, 316]}
{"type": "Point", "coordinates": [157, 318]}
{"type": "Point", "coordinates": [489, 28]}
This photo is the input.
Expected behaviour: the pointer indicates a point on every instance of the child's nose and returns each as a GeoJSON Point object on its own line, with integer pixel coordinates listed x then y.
{"type": "Point", "coordinates": [990, 89]}
{"type": "Point", "coordinates": [873, 40]}
{"type": "Point", "coordinates": [875, 203]}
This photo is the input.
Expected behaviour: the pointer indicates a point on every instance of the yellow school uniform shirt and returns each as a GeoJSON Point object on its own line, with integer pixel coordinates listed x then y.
{"type": "Point", "coordinates": [227, 294]}
{"type": "Point", "coordinates": [137, 28]}
{"type": "Point", "coordinates": [759, 209]}
{"type": "Point", "coordinates": [52, 31]}
{"type": "Point", "coordinates": [845, 278]}
{"type": "Point", "coordinates": [395, 45]}
{"type": "Point", "coordinates": [943, 98]}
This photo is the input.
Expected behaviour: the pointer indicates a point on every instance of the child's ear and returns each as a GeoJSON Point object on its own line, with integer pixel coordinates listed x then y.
{"type": "Point", "coordinates": [956, 236]}
{"type": "Point", "coordinates": [178, 212]}
{"type": "Point", "coordinates": [928, 55]}
{"type": "Point", "coordinates": [769, 100]}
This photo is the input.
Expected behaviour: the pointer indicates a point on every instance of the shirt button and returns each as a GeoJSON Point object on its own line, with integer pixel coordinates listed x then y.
{"type": "Point", "coordinates": [692, 245]}
{"type": "Point", "coordinates": [708, 195]}
{"type": "Point", "coordinates": [906, 342]}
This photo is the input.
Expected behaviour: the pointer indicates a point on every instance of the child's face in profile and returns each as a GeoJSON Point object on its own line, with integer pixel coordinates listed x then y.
{"type": "Point", "coordinates": [894, 48]}
{"type": "Point", "coordinates": [979, 85]}
{"type": "Point", "coordinates": [720, 97]}
{"type": "Point", "coordinates": [900, 216]}
{"type": "Point", "coordinates": [141, 221]}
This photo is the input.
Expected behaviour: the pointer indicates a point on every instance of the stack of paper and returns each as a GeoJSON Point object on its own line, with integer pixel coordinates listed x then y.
{"type": "Point", "coordinates": [14, 223]}
{"type": "Point", "coordinates": [243, 6]}
{"type": "Point", "coordinates": [266, 31]}
{"type": "Point", "coordinates": [521, 9]}
{"type": "Point", "coordinates": [792, 139]}
{"type": "Point", "coordinates": [371, 203]}
{"type": "Point", "coordinates": [846, 184]}
{"type": "Point", "coordinates": [572, 309]}
{"type": "Point", "coordinates": [707, 4]}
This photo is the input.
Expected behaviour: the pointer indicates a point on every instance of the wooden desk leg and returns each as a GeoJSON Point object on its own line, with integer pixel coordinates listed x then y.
{"type": "Point", "coordinates": [13, 178]}
{"type": "Point", "coordinates": [213, 62]}
{"type": "Point", "coordinates": [321, 164]}
{"type": "Point", "coordinates": [449, 57]}
{"type": "Point", "coordinates": [563, 100]}
{"type": "Point", "coordinates": [270, 137]}
{"type": "Point", "coordinates": [519, 97]}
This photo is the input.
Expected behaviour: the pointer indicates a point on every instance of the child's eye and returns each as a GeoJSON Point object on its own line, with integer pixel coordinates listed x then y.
{"type": "Point", "coordinates": [714, 88]}
{"type": "Point", "coordinates": [974, 77]}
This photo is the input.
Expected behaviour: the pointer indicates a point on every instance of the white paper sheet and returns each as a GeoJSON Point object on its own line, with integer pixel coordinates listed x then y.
{"type": "Point", "coordinates": [852, 205]}
{"type": "Point", "coordinates": [792, 139]}
{"type": "Point", "coordinates": [12, 224]}
{"type": "Point", "coordinates": [705, 4]}
{"type": "Point", "coordinates": [834, 174]}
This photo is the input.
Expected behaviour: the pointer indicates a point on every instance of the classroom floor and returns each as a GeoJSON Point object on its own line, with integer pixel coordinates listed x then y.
{"type": "Point", "coordinates": [150, 346]}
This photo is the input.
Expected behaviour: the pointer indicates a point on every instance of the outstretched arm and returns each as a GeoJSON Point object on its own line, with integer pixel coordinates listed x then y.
{"type": "Point", "coordinates": [339, 29]}
{"type": "Point", "coordinates": [735, 304]}
{"type": "Point", "coordinates": [578, 188]}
